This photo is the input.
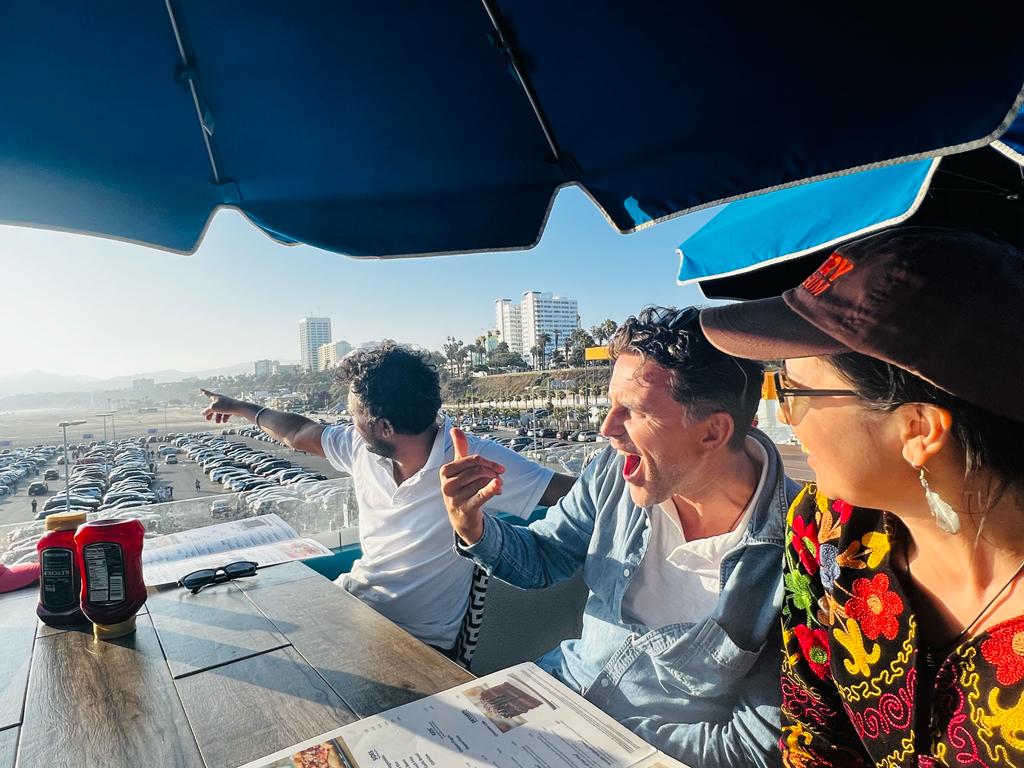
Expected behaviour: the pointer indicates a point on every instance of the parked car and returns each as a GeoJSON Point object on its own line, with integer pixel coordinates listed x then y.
{"type": "Point", "coordinates": [51, 474]}
{"type": "Point", "coordinates": [38, 489]}
{"type": "Point", "coordinates": [587, 436]}
{"type": "Point", "coordinates": [170, 459]}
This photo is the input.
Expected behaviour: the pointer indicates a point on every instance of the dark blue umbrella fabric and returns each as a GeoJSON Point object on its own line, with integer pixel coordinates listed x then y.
{"type": "Point", "coordinates": [756, 232]}
{"type": "Point", "coordinates": [383, 129]}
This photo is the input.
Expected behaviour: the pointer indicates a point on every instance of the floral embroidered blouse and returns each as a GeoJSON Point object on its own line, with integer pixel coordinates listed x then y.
{"type": "Point", "coordinates": [850, 679]}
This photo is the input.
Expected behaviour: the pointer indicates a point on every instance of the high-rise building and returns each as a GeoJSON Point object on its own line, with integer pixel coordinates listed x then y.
{"type": "Point", "coordinates": [549, 313]}
{"type": "Point", "coordinates": [263, 368]}
{"type": "Point", "coordinates": [313, 332]}
{"type": "Point", "coordinates": [508, 319]}
{"type": "Point", "coordinates": [285, 370]}
{"type": "Point", "coordinates": [328, 355]}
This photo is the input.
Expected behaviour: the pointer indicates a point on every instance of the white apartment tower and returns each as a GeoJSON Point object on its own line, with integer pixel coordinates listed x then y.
{"type": "Point", "coordinates": [508, 319]}
{"type": "Point", "coordinates": [547, 313]}
{"type": "Point", "coordinates": [263, 368]}
{"type": "Point", "coordinates": [313, 332]}
{"type": "Point", "coordinates": [328, 355]}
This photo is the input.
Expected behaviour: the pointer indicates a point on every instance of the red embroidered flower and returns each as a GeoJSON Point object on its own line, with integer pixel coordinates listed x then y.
{"type": "Point", "coordinates": [805, 542]}
{"type": "Point", "coordinates": [1004, 649]}
{"type": "Point", "coordinates": [843, 509]}
{"type": "Point", "coordinates": [814, 646]}
{"type": "Point", "coordinates": [875, 607]}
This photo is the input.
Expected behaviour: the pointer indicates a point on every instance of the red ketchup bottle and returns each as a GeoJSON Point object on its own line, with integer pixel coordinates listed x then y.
{"type": "Point", "coordinates": [60, 579]}
{"type": "Point", "coordinates": [110, 559]}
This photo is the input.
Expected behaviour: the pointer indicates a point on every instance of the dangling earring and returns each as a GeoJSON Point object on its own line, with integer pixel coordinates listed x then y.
{"type": "Point", "coordinates": [945, 516]}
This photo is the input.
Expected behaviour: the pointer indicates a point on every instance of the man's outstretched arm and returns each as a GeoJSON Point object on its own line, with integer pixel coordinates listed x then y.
{"type": "Point", "coordinates": [293, 430]}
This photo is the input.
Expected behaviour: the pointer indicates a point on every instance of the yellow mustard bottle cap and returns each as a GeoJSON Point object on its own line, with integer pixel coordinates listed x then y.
{"type": "Point", "coordinates": [64, 521]}
{"type": "Point", "coordinates": [110, 631]}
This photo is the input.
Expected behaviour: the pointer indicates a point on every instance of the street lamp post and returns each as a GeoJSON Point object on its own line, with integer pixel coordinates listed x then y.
{"type": "Point", "coordinates": [67, 464]}
{"type": "Point", "coordinates": [105, 416]}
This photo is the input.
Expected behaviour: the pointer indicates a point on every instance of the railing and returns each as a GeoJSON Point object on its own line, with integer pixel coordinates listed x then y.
{"type": "Point", "coordinates": [310, 508]}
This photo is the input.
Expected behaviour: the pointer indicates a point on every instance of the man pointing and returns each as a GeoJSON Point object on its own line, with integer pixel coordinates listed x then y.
{"type": "Point", "coordinates": [393, 451]}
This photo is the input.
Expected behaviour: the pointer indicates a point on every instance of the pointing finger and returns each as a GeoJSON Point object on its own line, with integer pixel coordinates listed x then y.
{"type": "Point", "coordinates": [461, 443]}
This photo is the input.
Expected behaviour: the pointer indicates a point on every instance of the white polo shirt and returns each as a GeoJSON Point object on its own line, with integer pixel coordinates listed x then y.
{"type": "Point", "coordinates": [409, 570]}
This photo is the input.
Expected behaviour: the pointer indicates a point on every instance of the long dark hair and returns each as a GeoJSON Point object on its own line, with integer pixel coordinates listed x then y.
{"type": "Point", "coordinates": [990, 443]}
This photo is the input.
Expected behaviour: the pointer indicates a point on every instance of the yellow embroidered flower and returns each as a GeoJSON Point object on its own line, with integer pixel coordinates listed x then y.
{"type": "Point", "coordinates": [1008, 722]}
{"type": "Point", "coordinates": [797, 739]}
{"type": "Point", "coordinates": [877, 545]}
{"type": "Point", "coordinates": [852, 640]}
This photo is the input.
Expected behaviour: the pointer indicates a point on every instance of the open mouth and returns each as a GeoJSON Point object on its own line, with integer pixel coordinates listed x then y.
{"type": "Point", "coordinates": [631, 465]}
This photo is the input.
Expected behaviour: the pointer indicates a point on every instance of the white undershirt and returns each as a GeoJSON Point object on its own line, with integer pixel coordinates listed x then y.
{"type": "Point", "coordinates": [679, 581]}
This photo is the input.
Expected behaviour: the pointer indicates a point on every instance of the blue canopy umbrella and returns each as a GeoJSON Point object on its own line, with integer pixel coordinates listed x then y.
{"type": "Point", "coordinates": [762, 245]}
{"type": "Point", "coordinates": [383, 129]}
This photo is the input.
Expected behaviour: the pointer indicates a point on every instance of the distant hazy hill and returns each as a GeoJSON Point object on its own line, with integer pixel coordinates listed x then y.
{"type": "Point", "coordinates": [39, 382]}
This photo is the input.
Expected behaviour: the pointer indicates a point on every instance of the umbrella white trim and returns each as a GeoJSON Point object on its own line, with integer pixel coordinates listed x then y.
{"type": "Point", "coordinates": [1008, 151]}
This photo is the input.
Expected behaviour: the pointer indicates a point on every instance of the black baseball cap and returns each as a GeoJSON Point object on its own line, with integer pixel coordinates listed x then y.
{"type": "Point", "coordinates": [944, 304]}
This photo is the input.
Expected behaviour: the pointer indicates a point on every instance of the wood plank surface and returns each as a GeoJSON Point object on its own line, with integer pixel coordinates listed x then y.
{"type": "Point", "coordinates": [110, 704]}
{"type": "Point", "coordinates": [8, 747]}
{"type": "Point", "coordinates": [370, 662]}
{"type": "Point", "coordinates": [216, 626]}
{"type": "Point", "coordinates": [284, 573]}
{"type": "Point", "coordinates": [17, 634]}
{"type": "Point", "coordinates": [251, 708]}
{"type": "Point", "coordinates": [43, 630]}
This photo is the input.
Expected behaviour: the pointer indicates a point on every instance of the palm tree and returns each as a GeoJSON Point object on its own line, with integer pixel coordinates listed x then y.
{"type": "Point", "coordinates": [604, 330]}
{"type": "Point", "coordinates": [609, 327]}
{"type": "Point", "coordinates": [543, 339]}
{"type": "Point", "coordinates": [537, 352]}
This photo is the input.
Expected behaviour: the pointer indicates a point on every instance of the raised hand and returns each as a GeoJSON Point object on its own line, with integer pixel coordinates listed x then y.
{"type": "Point", "coordinates": [467, 483]}
{"type": "Point", "coordinates": [222, 407]}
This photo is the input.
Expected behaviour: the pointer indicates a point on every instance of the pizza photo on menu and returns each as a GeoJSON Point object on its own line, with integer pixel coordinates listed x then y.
{"type": "Point", "coordinates": [325, 755]}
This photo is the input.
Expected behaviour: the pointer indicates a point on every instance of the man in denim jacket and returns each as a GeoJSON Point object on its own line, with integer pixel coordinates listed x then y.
{"type": "Point", "coordinates": [678, 527]}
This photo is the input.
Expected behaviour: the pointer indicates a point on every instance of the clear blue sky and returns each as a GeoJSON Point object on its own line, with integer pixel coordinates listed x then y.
{"type": "Point", "coordinates": [83, 305]}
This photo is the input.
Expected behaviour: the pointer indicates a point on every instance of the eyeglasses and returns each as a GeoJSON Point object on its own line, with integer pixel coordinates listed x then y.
{"type": "Point", "coordinates": [199, 580]}
{"type": "Point", "coordinates": [794, 403]}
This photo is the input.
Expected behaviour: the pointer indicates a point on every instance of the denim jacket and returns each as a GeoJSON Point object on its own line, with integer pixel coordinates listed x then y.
{"type": "Point", "coordinates": [705, 693]}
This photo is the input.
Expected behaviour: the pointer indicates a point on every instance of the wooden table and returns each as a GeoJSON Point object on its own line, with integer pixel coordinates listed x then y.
{"type": "Point", "coordinates": [216, 679]}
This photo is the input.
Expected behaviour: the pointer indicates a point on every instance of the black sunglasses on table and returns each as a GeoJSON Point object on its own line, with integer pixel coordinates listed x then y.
{"type": "Point", "coordinates": [199, 580]}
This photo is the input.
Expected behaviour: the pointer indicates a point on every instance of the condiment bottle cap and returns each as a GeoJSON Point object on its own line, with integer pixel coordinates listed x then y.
{"type": "Point", "coordinates": [110, 631]}
{"type": "Point", "coordinates": [64, 521]}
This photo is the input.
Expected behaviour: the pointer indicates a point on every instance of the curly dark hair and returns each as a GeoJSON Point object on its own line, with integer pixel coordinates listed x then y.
{"type": "Point", "coordinates": [702, 378]}
{"type": "Point", "coordinates": [394, 383]}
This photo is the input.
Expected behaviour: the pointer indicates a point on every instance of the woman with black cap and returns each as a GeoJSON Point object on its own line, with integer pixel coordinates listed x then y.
{"type": "Point", "coordinates": [902, 360]}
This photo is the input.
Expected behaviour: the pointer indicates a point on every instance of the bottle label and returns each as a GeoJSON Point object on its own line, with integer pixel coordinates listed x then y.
{"type": "Point", "coordinates": [57, 579]}
{"type": "Point", "coordinates": [104, 570]}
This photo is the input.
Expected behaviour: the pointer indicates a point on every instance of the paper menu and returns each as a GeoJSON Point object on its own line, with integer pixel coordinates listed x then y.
{"type": "Point", "coordinates": [267, 540]}
{"type": "Point", "coordinates": [520, 717]}
{"type": "Point", "coordinates": [222, 537]}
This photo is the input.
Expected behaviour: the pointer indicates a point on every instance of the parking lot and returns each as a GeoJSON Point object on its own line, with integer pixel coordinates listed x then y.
{"type": "Point", "coordinates": [17, 508]}
{"type": "Point", "coordinates": [183, 475]}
